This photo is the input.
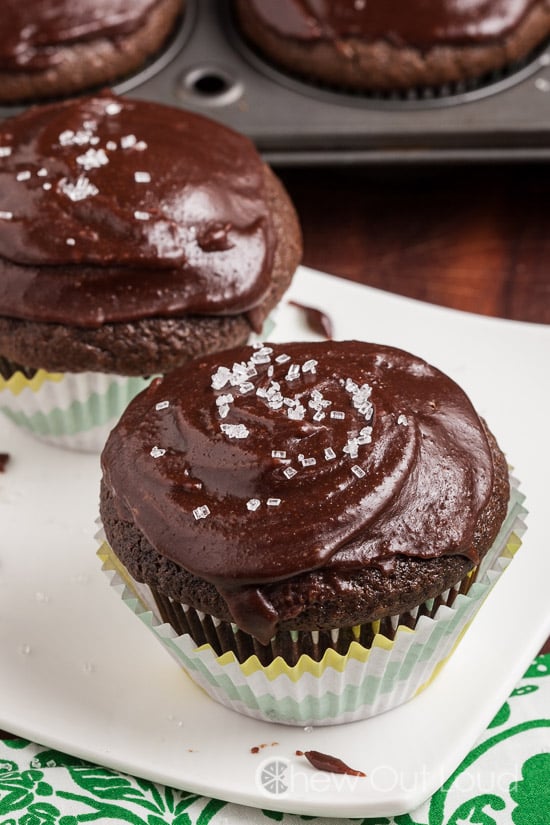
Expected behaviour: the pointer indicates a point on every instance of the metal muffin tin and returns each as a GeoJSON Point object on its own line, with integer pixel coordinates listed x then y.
{"type": "Point", "coordinates": [208, 68]}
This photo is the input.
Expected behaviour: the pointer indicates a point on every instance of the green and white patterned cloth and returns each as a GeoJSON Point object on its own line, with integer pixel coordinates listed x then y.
{"type": "Point", "coordinates": [505, 780]}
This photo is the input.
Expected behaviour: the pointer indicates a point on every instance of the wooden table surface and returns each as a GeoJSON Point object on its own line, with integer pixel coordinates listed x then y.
{"type": "Point", "coordinates": [472, 238]}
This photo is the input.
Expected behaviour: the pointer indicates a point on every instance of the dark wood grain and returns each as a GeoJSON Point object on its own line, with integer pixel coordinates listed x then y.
{"type": "Point", "coordinates": [471, 238]}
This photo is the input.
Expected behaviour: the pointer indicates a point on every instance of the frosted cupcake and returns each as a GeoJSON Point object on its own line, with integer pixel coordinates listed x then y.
{"type": "Point", "coordinates": [59, 47]}
{"type": "Point", "coordinates": [308, 528]}
{"type": "Point", "coordinates": [133, 237]}
{"type": "Point", "coordinates": [391, 44]}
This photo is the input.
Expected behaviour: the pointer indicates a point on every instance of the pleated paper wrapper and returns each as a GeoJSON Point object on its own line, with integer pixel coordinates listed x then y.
{"type": "Point", "coordinates": [364, 682]}
{"type": "Point", "coordinates": [72, 410]}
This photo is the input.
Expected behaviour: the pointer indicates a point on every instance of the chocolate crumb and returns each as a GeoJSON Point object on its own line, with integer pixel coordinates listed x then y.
{"type": "Point", "coordinates": [4, 458]}
{"type": "Point", "coordinates": [258, 748]}
{"type": "Point", "coordinates": [317, 320]}
{"type": "Point", "coordinates": [325, 762]}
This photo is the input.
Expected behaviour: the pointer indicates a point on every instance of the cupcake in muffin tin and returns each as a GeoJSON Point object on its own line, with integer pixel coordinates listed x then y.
{"type": "Point", "coordinates": [385, 45]}
{"type": "Point", "coordinates": [314, 524]}
{"type": "Point", "coordinates": [133, 237]}
{"type": "Point", "coordinates": [51, 48]}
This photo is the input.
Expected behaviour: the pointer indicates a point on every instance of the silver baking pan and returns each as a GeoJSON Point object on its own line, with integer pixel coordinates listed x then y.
{"type": "Point", "coordinates": [208, 68]}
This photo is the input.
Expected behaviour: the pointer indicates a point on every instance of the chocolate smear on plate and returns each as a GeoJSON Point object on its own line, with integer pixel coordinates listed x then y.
{"type": "Point", "coordinates": [331, 764]}
{"type": "Point", "coordinates": [318, 321]}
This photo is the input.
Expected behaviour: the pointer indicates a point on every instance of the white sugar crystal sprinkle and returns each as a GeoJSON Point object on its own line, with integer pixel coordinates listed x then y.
{"type": "Point", "coordinates": [352, 448]}
{"type": "Point", "coordinates": [111, 145]}
{"type": "Point", "coordinates": [319, 416]}
{"type": "Point", "coordinates": [127, 141]}
{"type": "Point", "coordinates": [278, 453]}
{"type": "Point", "coordinates": [309, 462]}
{"type": "Point", "coordinates": [113, 108]}
{"type": "Point", "coordinates": [338, 414]}
{"type": "Point", "coordinates": [358, 471]}
{"type": "Point", "coordinates": [141, 216]}
{"type": "Point", "coordinates": [248, 386]}
{"type": "Point", "coordinates": [309, 366]}
{"type": "Point", "coordinates": [201, 512]}
{"type": "Point", "coordinates": [70, 241]}
{"type": "Point", "coordinates": [220, 378]}
{"type": "Point", "coordinates": [253, 504]}
{"type": "Point", "coordinates": [79, 191]}
{"type": "Point", "coordinates": [23, 175]}
{"type": "Point", "coordinates": [273, 502]}
{"type": "Point", "coordinates": [283, 358]}
{"type": "Point", "coordinates": [5, 151]}
{"type": "Point", "coordinates": [297, 413]}
{"type": "Point", "coordinates": [140, 146]}
{"type": "Point", "coordinates": [5, 216]}
{"type": "Point", "coordinates": [162, 405]}
{"type": "Point", "coordinates": [329, 454]}
{"type": "Point", "coordinates": [157, 452]}
{"type": "Point", "coordinates": [79, 138]}
{"type": "Point", "coordinates": [42, 173]}
{"type": "Point", "coordinates": [293, 372]}
{"type": "Point", "coordinates": [223, 400]}
{"type": "Point", "coordinates": [234, 430]}
{"type": "Point", "coordinates": [46, 186]}
{"type": "Point", "coordinates": [223, 410]}
{"type": "Point", "coordinates": [403, 420]}
{"type": "Point", "coordinates": [262, 355]}
{"type": "Point", "coordinates": [142, 177]}
{"type": "Point", "coordinates": [92, 159]}
{"type": "Point", "coordinates": [289, 472]}
{"type": "Point", "coordinates": [365, 436]}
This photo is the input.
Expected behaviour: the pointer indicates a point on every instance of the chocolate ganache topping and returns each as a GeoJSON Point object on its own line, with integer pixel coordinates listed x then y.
{"type": "Point", "coordinates": [32, 31]}
{"type": "Point", "coordinates": [114, 210]}
{"type": "Point", "coordinates": [420, 23]}
{"type": "Point", "coordinates": [266, 463]}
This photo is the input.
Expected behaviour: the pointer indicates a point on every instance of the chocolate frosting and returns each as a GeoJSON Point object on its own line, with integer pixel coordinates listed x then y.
{"type": "Point", "coordinates": [33, 30]}
{"type": "Point", "coordinates": [420, 23]}
{"type": "Point", "coordinates": [114, 210]}
{"type": "Point", "coordinates": [259, 465]}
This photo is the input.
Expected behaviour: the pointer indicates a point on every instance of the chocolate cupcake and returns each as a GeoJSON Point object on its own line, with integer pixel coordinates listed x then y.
{"type": "Point", "coordinates": [133, 237]}
{"type": "Point", "coordinates": [330, 514]}
{"type": "Point", "coordinates": [392, 44]}
{"type": "Point", "coordinates": [50, 48]}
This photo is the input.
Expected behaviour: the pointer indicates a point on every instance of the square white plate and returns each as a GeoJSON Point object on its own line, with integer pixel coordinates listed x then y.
{"type": "Point", "coordinates": [81, 674]}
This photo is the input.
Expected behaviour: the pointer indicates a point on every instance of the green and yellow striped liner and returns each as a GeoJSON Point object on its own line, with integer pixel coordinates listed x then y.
{"type": "Point", "coordinates": [340, 688]}
{"type": "Point", "coordinates": [73, 410]}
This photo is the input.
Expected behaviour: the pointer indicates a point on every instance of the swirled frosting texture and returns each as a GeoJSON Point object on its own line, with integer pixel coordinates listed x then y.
{"type": "Point", "coordinates": [421, 23]}
{"type": "Point", "coordinates": [32, 31]}
{"type": "Point", "coordinates": [271, 462]}
{"type": "Point", "coordinates": [114, 210]}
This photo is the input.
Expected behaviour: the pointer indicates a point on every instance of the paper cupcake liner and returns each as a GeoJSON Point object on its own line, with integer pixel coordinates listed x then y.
{"type": "Point", "coordinates": [366, 680]}
{"type": "Point", "coordinates": [73, 410]}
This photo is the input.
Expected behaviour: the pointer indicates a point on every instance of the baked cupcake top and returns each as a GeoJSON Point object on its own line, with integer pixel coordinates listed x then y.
{"type": "Point", "coordinates": [34, 30]}
{"type": "Point", "coordinates": [263, 464]}
{"type": "Point", "coordinates": [419, 23]}
{"type": "Point", "coordinates": [115, 210]}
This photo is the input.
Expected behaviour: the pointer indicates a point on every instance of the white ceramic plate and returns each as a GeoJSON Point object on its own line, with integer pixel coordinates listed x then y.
{"type": "Point", "coordinates": [79, 673]}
